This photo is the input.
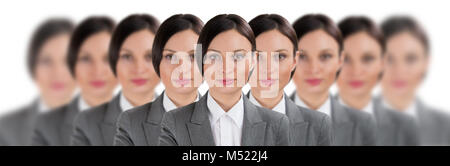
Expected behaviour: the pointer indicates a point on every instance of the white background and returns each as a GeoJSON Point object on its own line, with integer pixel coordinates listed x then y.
{"type": "Point", "coordinates": [19, 18]}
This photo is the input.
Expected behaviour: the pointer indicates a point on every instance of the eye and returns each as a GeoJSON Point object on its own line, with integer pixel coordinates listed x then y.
{"type": "Point", "coordinates": [168, 57]}
{"type": "Point", "coordinates": [325, 56]}
{"type": "Point", "coordinates": [281, 56]}
{"type": "Point", "coordinates": [238, 56]}
{"type": "Point", "coordinates": [85, 59]}
{"type": "Point", "coordinates": [302, 56]}
{"type": "Point", "coordinates": [213, 56]}
{"type": "Point", "coordinates": [368, 58]}
{"type": "Point", "coordinates": [148, 56]}
{"type": "Point", "coordinates": [45, 61]}
{"type": "Point", "coordinates": [192, 56]}
{"type": "Point", "coordinates": [126, 56]}
{"type": "Point", "coordinates": [411, 58]}
{"type": "Point", "coordinates": [347, 59]}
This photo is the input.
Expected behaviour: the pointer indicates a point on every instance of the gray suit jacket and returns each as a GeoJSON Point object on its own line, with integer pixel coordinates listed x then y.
{"type": "Point", "coordinates": [393, 127]}
{"type": "Point", "coordinates": [97, 126]}
{"type": "Point", "coordinates": [55, 127]}
{"type": "Point", "coordinates": [140, 126]}
{"type": "Point", "coordinates": [307, 127]}
{"type": "Point", "coordinates": [17, 127]}
{"type": "Point", "coordinates": [434, 126]}
{"type": "Point", "coordinates": [350, 127]}
{"type": "Point", "coordinates": [190, 126]}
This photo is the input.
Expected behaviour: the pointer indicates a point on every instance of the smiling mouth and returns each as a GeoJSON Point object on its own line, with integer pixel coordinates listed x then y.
{"type": "Point", "coordinates": [314, 82]}
{"type": "Point", "coordinates": [139, 82]}
{"type": "Point", "coordinates": [268, 82]}
{"type": "Point", "coordinates": [226, 82]}
{"type": "Point", "coordinates": [182, 82]}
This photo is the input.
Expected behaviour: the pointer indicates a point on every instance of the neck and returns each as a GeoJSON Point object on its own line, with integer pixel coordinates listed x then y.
{"type": "Point", "coordinates": [357, 102]}
{"type": "Point", "coordinates": [96, 100]}
{"type": "Point", "coordinates": [267, 102]}
{"type": "Point", "coordinates": [182, 99]}
{"type": "Point", "coordinates": [314, 101]}
{"type": "Point", "coordinates": [52, 103]}
{"type": "Point", "coordinates": [138, 99]}
{"type": "Point", "coordinates": [399, 103]}
{"type": "Point", "coordinates": [226, 101]}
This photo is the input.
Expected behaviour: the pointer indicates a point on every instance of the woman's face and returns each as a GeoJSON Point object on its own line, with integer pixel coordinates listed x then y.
{"type": "Point", "coordinates": [134, 68]}
{"type": "Point", "coordinates": [228, 62]}
{"type": "Point", "coordinates": [178, 67]}
{"type": "Point", "coordinates": [92, 71]}
{"type": "Point", "coordinates": [52, 75]}
{"type": "Point", "coordinates": [362, 64]}
{"type": "Point", "coordinates": [275, 62]}
{"type": "Point", "coordinates": [406, 63]}
{"type": "Point", "coordinates": [318, 62]}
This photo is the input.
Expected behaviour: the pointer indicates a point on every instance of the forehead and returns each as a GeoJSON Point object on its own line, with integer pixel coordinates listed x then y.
{"type": "Point", "coordinates": [404, 42]}
{"type": "Point", "coordinates": [229, 41]}
{"type": "Point", "coordinates": [97, 39]}
{"type": "Point", "coordinates": [182, 41]}
{"type": "Point", "coordinates": [273, 40]}
{"type": "Point", "coordinates": [139, 39]}
{"type": "Point", "coordinates": [361, 42]}
{"type": "Point", "coordinates": [316, 41]}
{"type": "Point", "coordinates": [58, 43]}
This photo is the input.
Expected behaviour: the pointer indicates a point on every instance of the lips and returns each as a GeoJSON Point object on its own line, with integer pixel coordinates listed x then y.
{"type": "Point", "coordinates": [139, 81]}
{"type": "Point", "coordinates": [399, 84]}
{"type": "Point", "coordinates": [57, 86]}
{"type": "Point", "coordinates": [226, 82]}
{"type": "Point", "coordinates": [356, 84]}
{"type": "Point", "coordinates": [268, 82]}
{"type": "Point", "coordinates": [182, 82]}
{"type": "Point", "coordinates": [98, 84]}
{"type": "Point", "coordinates": [314, 82]}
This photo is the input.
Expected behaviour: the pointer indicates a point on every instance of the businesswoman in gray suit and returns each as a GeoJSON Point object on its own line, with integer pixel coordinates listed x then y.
{"type": "Point", "coordinates": [363, 52]}
{"type": "Point", "coordinates": [173, 60]}
{"type": "Point", "coordinates": [320, 46]}
{"type": "Point", "coordinates": [87, 61]}
{"type": "Point", "coordinates": [276, 43]}
{"type": "Point", "coordinates": [130, 60]}
{"type": "Point", "coordinates": [46, 61]}
{"type": "Point", "coordinates": [224, 116]}
{"type": "Point", "coordinates": [406, 63]}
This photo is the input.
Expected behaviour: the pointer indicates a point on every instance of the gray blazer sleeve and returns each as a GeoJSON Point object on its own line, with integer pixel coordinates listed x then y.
{"type": "Point", "coordinates": [122, 137]}
{"type": "Point", "coordinates": [325, 136]}
{"type": "Point", "coordinates": [79, 137]}
{"type": "Point", "coordinates": [167, 137]}
{"type": "Point", "coordinates": [283, 132]}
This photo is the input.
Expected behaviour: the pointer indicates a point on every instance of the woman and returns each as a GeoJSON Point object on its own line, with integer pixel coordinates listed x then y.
{"type": "Point", "coordinates": [276, 43]}
{"type": "Point", "coordinates": [130, 60]}
{"type": "Point", "coordinates": [224, 116]}
{"type": "Point", "coordinates": [173, 60]}
{"type": "Point", "coordinates": [406, 63]}
{"type": "Point", "coordinates": [363, 49]}
{"type": "Point", "coordinates": [320, 45]}
{"type": "Point", "coordinates": [87, 61]}
{"type": "Point", "coordinates": [46, 62]}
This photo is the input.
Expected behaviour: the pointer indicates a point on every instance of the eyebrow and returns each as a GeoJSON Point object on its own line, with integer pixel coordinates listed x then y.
{"type": "Point", "coordinates": [166, 49]}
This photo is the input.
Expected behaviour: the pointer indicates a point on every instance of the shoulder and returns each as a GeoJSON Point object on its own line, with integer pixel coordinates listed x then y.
{"type": "Point", "coordinates": [92, 114]}
{"type": "Point", "coordinates": [270, 116]}
{"type": "Point", "coordinates": [182, 113]}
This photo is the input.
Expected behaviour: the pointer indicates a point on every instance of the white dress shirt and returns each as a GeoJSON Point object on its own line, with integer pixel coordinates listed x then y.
{"type": "Point", "coordinates": [42, 108]}
{"type": "Point", "coordinates": [82, 105]}
{"type": "Point", "coordinates": [280, 107]}
{"type": "Point", "coordinates": [324, 108]}
{"type": "Point", "coordinates": [368, 108]}
{"type": "Point", "coordinates": [411, 110]}
{"type": "Point", "coordinates": [226, 126]}
{"type": "Point", "coordinates": [125, 104]}
{"type": "Point", "coordinates": [169, 105]}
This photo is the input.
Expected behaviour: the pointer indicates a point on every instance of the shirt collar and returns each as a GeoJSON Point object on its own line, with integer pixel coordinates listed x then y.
{"type": "Point", "coordinates": [216, 112]}
{"type": "Point", "coordinates": [411, 110]}
{"type": "Point", "coordinates": [126, 105]}
{"type": "Point", "coordinates": [169, 105]}
{"type": "Point", "coordinates": [324, 108]}
{"type": "Point", "coordinates": [82, 104]}
{"type": "Point", "coordinates": [280, 107]}
{"type": "Point", "coordinates": [368, 108]}
{"type": "Point", "coordinates": [43, 108]}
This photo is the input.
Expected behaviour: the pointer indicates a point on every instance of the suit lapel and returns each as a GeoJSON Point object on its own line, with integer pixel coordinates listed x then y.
{"type": "Point", "coordinates": [254, 129]}
{"type": "Point", "coordinates": [199, 127]}
{"type": "Point", "coordinates": [108, 125]}
{"type": "Point", "coordinates": [151, 126]}
{"type": "Point", "coordinates": [68, 117]}
{"type": "Point", "coordinates": [343, 127]}
{"type": "Point", "coordinates": [298, 127]}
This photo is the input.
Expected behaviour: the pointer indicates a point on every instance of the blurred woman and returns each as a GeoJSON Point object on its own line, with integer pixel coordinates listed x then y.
{"type": "Point", "coordinates": [87, 60]}
{"type": "Point", "coordinates": [130, 60]}
{"type": "Point", "coordinates": [47, 65]}
{"type": "Point", "coordinates": [320, 46]}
